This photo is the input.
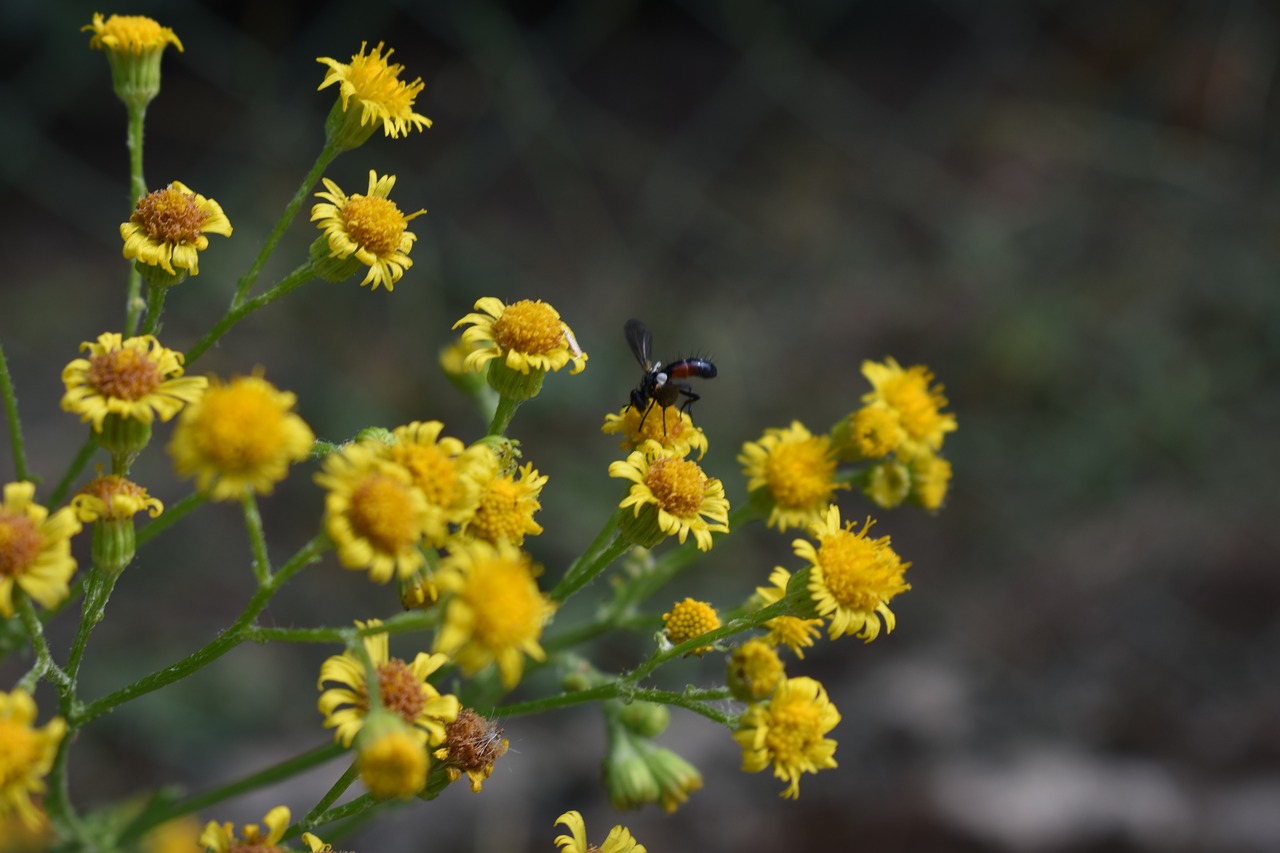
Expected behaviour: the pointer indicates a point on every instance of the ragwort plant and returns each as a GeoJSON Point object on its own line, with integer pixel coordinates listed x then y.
{"type": "Point", "coordinates": [447, 521]}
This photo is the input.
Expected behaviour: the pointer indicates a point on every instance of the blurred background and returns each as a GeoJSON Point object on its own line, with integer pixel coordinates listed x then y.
{"type": "Point", "coordinates": [1068, 210]}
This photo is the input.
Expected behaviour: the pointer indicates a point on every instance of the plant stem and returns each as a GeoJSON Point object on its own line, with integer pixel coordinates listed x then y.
{"type": "Point", "coordinates": [171, 516]}
{"type": "Point", "coordinates": [502, 415]}
{"type": "Point", "coordinates": [243, 309]}
{"type": "Point", "coordinates": [257, 539]}
{"type": "Point", "coordinates": [155, 307]}
{"type": "Point", "coordinates": [11, 416]}
{"type": "Point", "coordinates": [137, 189]}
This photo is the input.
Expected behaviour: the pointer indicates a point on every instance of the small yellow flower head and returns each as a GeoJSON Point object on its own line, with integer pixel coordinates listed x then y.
{"type": "Point", "coordinates": [167, 230]}
{"type": "Point", "coordinates": [787, 731]}
{"type": "Point", "coordinates": [618, 841]}
{"type": "Point", "coordinates": [113, 497]}
{"type": "Point", "coordinates": [869, 433]}
{"type": "Point", "coordinates": [797, 471]}
{"type": "Point", "coordinates": [374, 514]}
{"type": "Point", "coordinates": [35, 549]}
{"type": "Point", "coordinates": [507, 505]}
{"type": "Point", "coordinates": [179, 835]}
{"type": "Point", "coordinates": [794, 632]}
{"type": "Point", "coordinates": [688, 619]}
{"type": "Point", "coordinates": [364, 229]}
{"type": "Point", "coordinates": [373, 84]}
{"type": "Point", "coordinates": [672, 497]}
{"type": "Point", "coordinates": [916, 401]}
{"type": "Point", "coordinates": [240, 437]}
{"type": "Point", "coordinates": [392, 760]}
{"type": "Point", "coordinates": [448, 474]}
{"type": "Point", "coordinates": [133, 379]}
{"type": "Point", "coordinates": [887, 483]}
{"type": "Point", "coordinates": [134, 45]}
{"type": "Point", "coordinates": [26, 752]}
{"type": "Point", "coordinates": [853, 577]}
{"type": "Point", "coordinates": [109, 503]}
{"type": "Point", "coordinates": [930, 479]}
{"type": "Point", "coordinates": [494, 611]}
{"type": "Point", "coordinates": [525, 337]}
{"type": "Point", "coordinates": [221, 837]}
{"type": "Point", "coordinates": [754, 671]}
{"type": "Point", "coordinates": [402, 687]}
{"type": "Point", "coordinates": [669, 427]}
{"type": "Point", "coordinates": [472, 744]}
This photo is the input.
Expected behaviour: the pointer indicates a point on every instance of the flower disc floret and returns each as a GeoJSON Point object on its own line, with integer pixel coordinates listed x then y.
{"type": "Point", "coordinates": [507, 505]}
{"type": "Point", "coordinates": [129, 34]}
{"type": "Point", "coordinates": [918, 402]}
{"type": "Point", "coordinates": [35, 548]}
{"type": "Point", "coordinates": [240, 437]}
{"type": "Point", "coordinates": [796, 469]}
{"type": "Point", "coordinates": [683, 497]}
{"type": "Point", "coordinates": [369, 227]}
{"type": "Point", "coordinates": [447, 473]}
{"type": "Point", "coordinates": [113, 497]}
{"type": "Point", "coordinates": [788, 732]}
{"type": "Point", "coordinates": [688, 619]}
{"type": "Point", "coordinates": [527, 335]}
{"type": "Point", "coordinates": [668, 426]}
{"type": "Point", "coordinates": [167, 228]}
{"type": "Point", "coordinates": [133, 378]}
{"type": "Point", "coordinates": [374, 514]}
{"type": "Point", "coordinates": [494, 611]}
{"type": "Point", "coordinates": [26, 754]}
{"type": "Point", "coordinates": [373, 84]}
{"type": "Point", "coordinates": [853, 577]}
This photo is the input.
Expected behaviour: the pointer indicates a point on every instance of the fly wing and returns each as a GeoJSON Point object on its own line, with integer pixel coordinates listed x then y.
{"type": "Point", "coordinates": [640, 341]}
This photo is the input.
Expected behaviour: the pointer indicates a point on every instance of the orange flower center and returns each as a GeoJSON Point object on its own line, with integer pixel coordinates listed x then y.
{"type": "Point", "coordinates": [432, 470]}
{"type": "Point", "coordinates": [20, 543]}
{"type": "Point", "coordinates": [503, 513]}
{"type": "Point", "coordinates": [373, 223]}
{"type": "Point", "coordinates": [678, 485]}
{"type": "Point", "coordinates": [124, 374]}
{"type": "Point", "coordinates": [848, 561]}
{"type": "Point", "coordinates": [170, 216]}
{"type": "Point", "coordinates": [797, 726]}
{"type": "Point", "coordinates": [112, 488]}
{"type": "Point", "coordinates": [241, 427]}
{"type": "Point", "coordinates": [380, 512]}
{"type": "Point", "coordinates": [400, 690]}
{"type": "Point", "coordinates": [689, 619]}
{"type": "Point", "coordinates": [474, 742]}
{"type": "Point", "coordinates": [529, 327]}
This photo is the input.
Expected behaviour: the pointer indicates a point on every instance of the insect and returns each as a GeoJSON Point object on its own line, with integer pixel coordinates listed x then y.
{"type": "Point", "coordinates": [658, 385]}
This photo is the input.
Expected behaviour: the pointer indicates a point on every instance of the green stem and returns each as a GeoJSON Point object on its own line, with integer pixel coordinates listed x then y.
{"type": "Point", "coordinates": [137, 189]}
{"type": "Point", "coordinates": [97, 591]}
{"type": "Point", "coordinates": [262, 779]}
{"type": "Point", "coordinates": [235, 634]}
{"type": "Point", "coordinates": [292, 281]}
{"type": "Point", "coordinates": [327, 155]}
{"type": "Point", "coordinates": [15, 425]}
{"type": "Point", "coordinates": [734, 626]}
{"type": "Point", "coordinates": [503, 414]}
{"type": "Point", "coordinates": [155, 307]}
{"type": "Point", "coordinates": [690, 700]}
{"type": "Point", "coordinates": [171, 516]}
{"type": "Point", "coordinates": [77, 465]}
{"type": "Point", "coordinates": [44, 665]}
{"type": "Point", "coordinates": [257, 539]}
{"type": "Point", "coordinates": [401, 623]}
{"type": "Point", "coordinates": [331, 796]}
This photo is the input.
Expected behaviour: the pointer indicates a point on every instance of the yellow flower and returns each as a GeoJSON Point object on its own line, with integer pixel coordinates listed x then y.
{"type": "Point", "coordinates": [618, 841]}
{"type": "Point", "coordinates": [791, 631]}
{"type": "Point", "coordinates": [35, 549]}
{"type": "Point", "coordinates": [392, 761]}
{"type": "Point", "coordinates": [447, 473]}
{"type": "Point", "coordinates": [167, 229]}
{"type": "Point", "coordinates": [688, 619]}
{"type": "Point", "coordinates": [754, 671]}
{"type": "Point", "coordinates": [240, 437]}
{"type": "Point", "coordinates": [135, 379]}
{"type": "Point", "coordinates": [930, 479]}
{"type": "Point", "coordinates": [507, 505]}
{"type": "Point", "coordinates": [373, 513]}
{"type": "Point", "coordinates": [676, 495]}
{"type": "Point", "coordinates": [221, 838]}
{"type": "Point", "coordinates": [796, 469]}
{"type": "Point", "coordinates": [26, 753]}
{"type": "Point", "coordinates": [495, 611]}
{"type": "Point", "coordinates": [369, 227]}
{"type": "Point", "coordinates": [472, 744]}
{"type": "Point", "coordinates": [180, 835]}
{"type": "Point", "coordinates": [526, 335]}
{"type": "Point", "coordinates": [787, 732]}
{"type": "Point", "coordinates": [113, 497]}
{"type": "Point", "coordinates": [869, 433]}
{"type": "Point", "coordinates": [917, 403]}
{"type": "Point", "coordinates": [129, 34]}
{"type": "Point", "coordinates": [403, 690]}
{"type": "Point", "coordinates": [674, 429]}
{"type": "Point", "coordinates": [887, 483]}
{"type": "Point", "coordinates": [853, 577]}
{"type": "Point", "coordinates": [378, 91]}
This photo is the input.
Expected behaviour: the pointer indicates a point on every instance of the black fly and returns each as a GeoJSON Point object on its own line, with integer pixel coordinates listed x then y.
{"type": "Point", "coordinates": [658, 385]}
